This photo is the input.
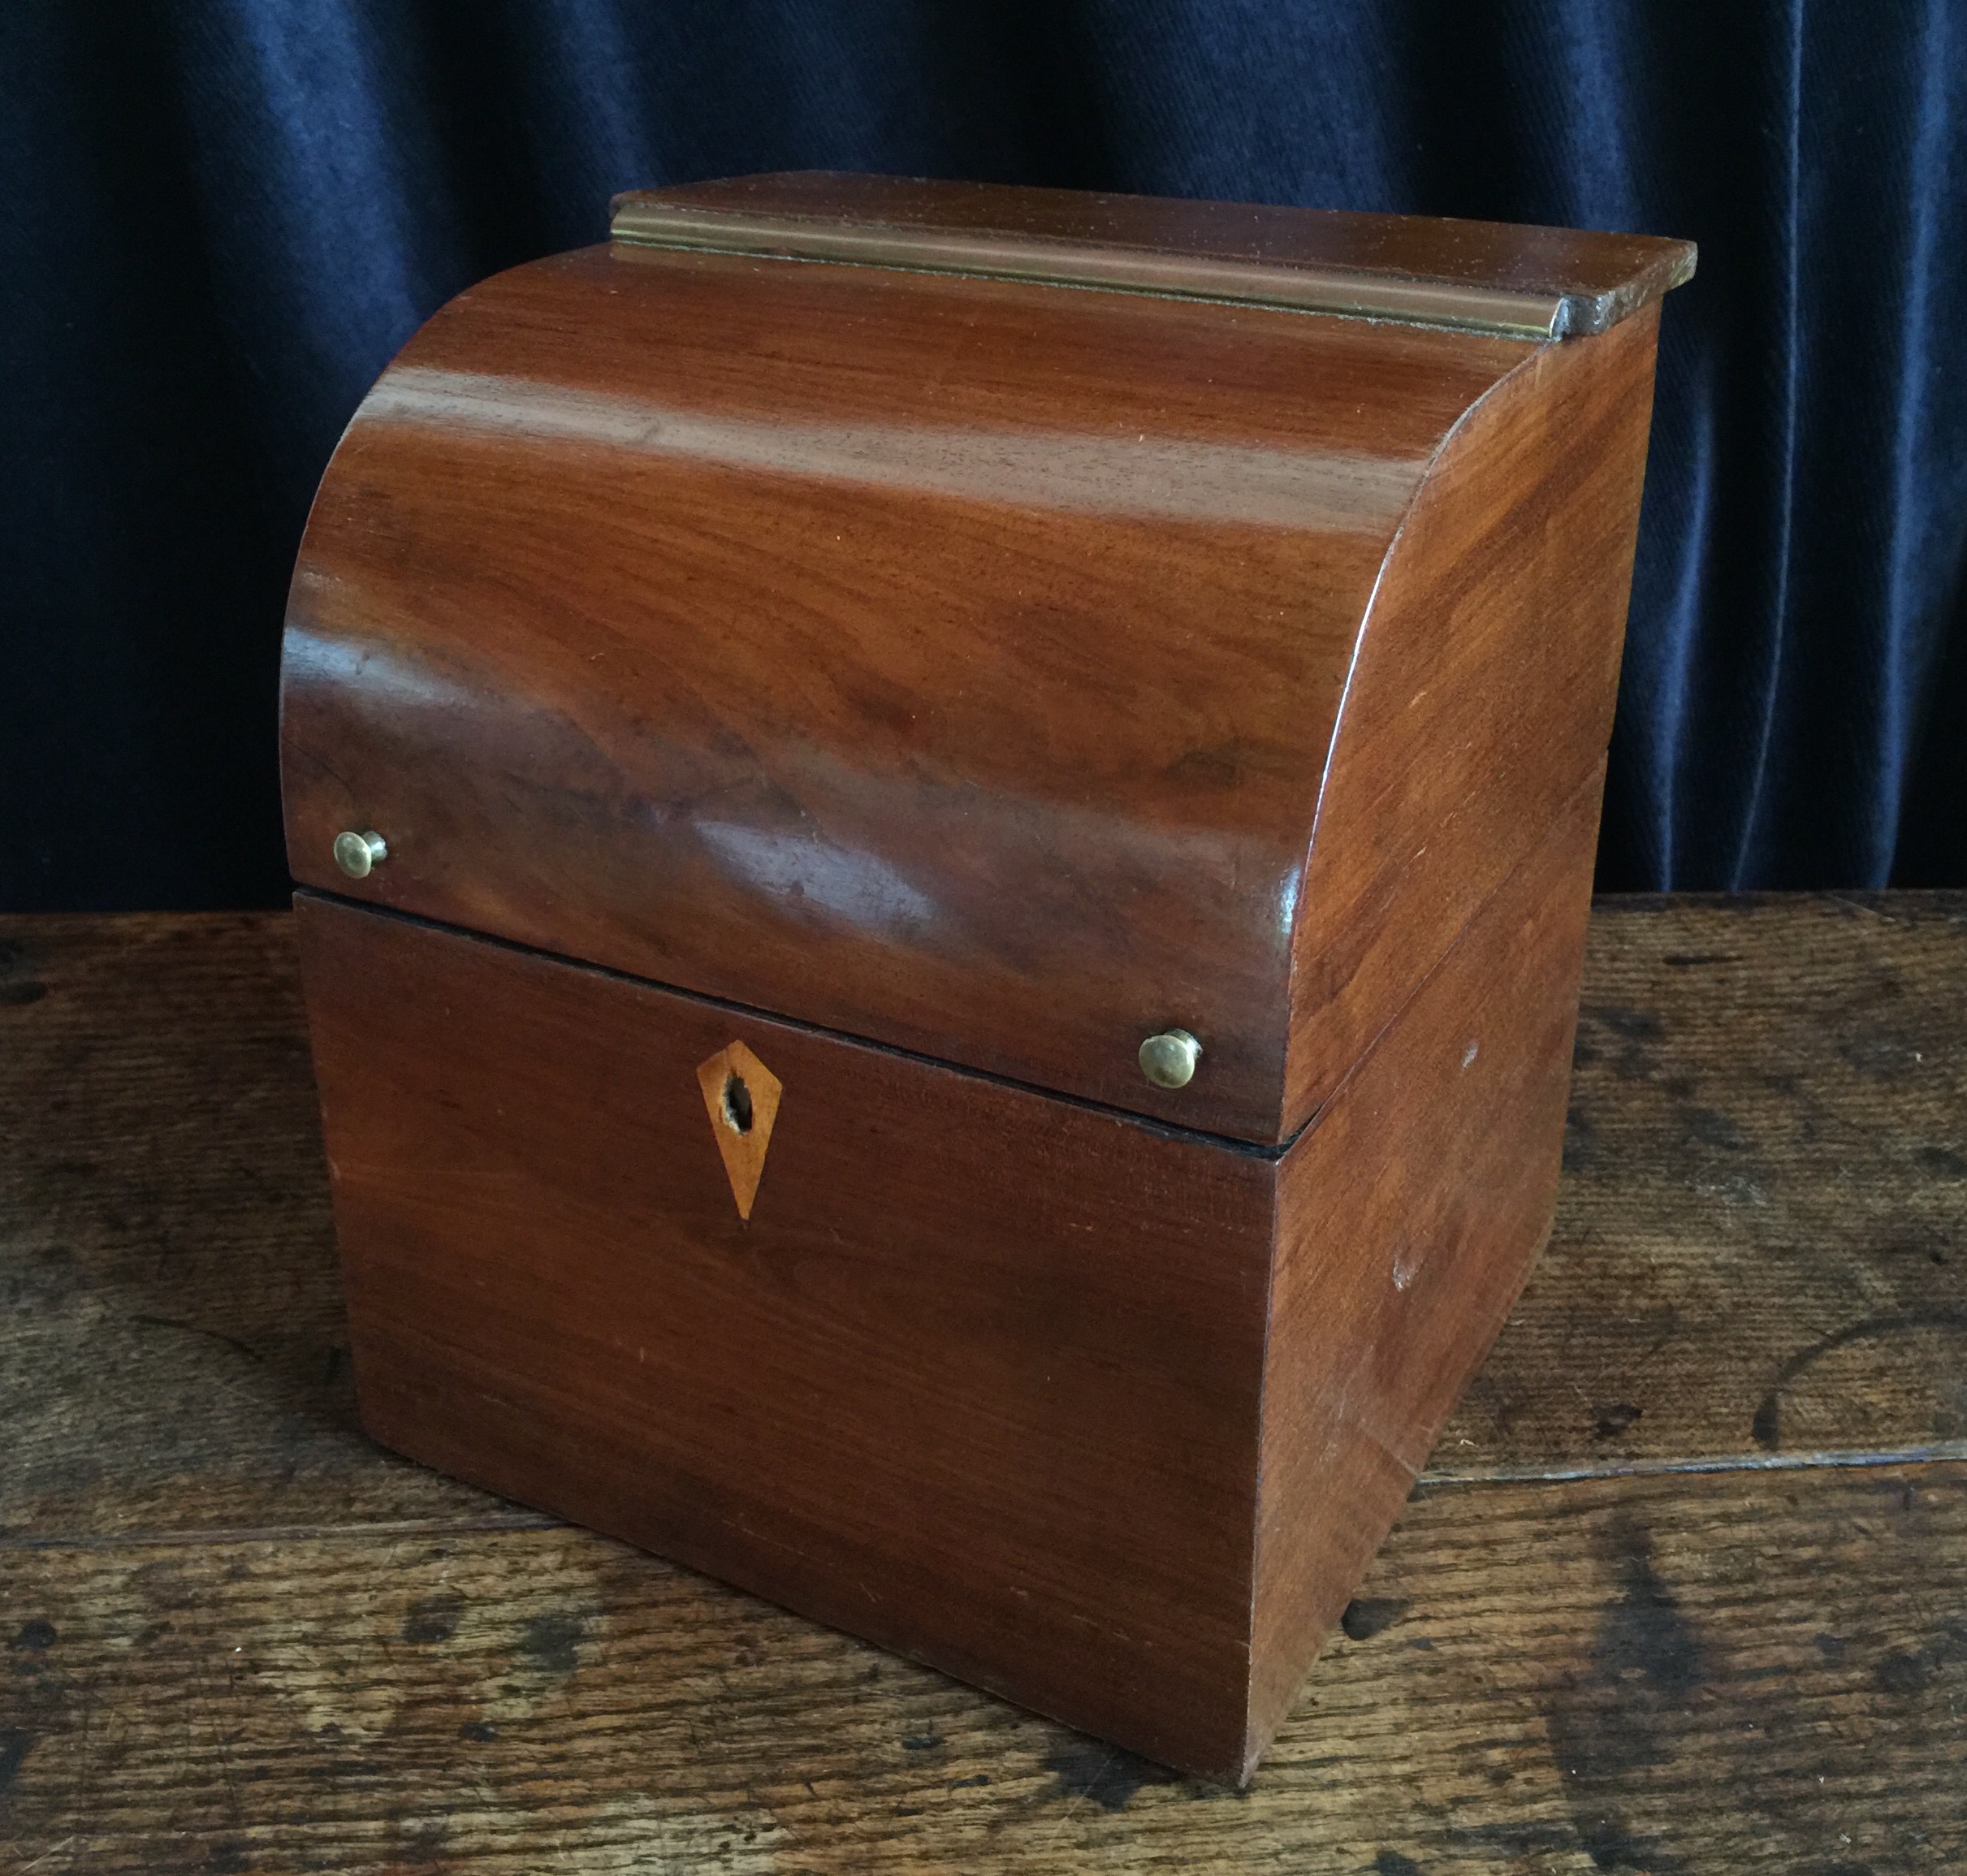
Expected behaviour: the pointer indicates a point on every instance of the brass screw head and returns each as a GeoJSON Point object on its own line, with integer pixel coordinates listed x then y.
{"type": "Point", "coordinates": [358, 855]}
{"type": "Point", "coordinates": [1168, 1059]}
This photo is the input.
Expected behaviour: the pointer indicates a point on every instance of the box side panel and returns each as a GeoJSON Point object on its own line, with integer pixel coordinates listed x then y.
{"type": "Point", "coordinates": [1481, 695]}
{"type": "Point", "coordinates": [977, 1379]}
{"type": "Point", "coordinates": [1408, 1220]}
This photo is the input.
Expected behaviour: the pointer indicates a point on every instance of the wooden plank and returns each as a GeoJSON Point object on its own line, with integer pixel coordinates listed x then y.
{"type": "Point", "coordinates": [1761, 1246]}
{"type": "Point", "coordinates": [1692, 1672]}
{"type": "Point", "coordinates": [1674, 1673]}
{"type": "Point", "coordinates": [174, 1351]}
{"type": "Point", "coordinates": [1766, 1195]}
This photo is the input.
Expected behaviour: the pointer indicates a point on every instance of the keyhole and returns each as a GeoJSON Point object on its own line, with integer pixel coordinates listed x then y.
{"type": "Point", "coordinates": [737, 1104]}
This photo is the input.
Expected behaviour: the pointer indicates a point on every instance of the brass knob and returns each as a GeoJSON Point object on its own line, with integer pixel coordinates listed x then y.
{"type": "Point", "coordinates": [360, 854]}
{"type": "Point", "coordinates": [1169, 1059]}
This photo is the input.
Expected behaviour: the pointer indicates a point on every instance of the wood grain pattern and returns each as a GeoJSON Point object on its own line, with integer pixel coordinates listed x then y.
{"type": "Point", "coordinates": [1409, 1218]}
{"type": "Point", "coordinates": [1386, 567]}
{"type": "Point", "coordinates": [173, 1346]}
{"type": "Point", "coordinates": [977, 1377]}
{"type": "Point", "coordinates": [1548, 282]}
{"type": "Point", "coordinates": [1765, 1194]}
{"type": "Point", "coordinates": [1481, 692]}
{"type": "Point", "coordinates": [1761, 1084]}
{"type": "Point", "coordinates": [1766, 1183]}
{"type": "Point", "coordinates": [950, 662]}
{"type": "Point", "coordinates": [1018, 1440]}
{"type": "Point", "coordinates": [956, 663]}
{"type": "Point", "coordinates": [1733, 1672]}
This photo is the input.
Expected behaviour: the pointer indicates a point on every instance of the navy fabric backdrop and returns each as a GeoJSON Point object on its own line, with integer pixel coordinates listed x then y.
{"type": "Point", "coordinates": [218, 220]}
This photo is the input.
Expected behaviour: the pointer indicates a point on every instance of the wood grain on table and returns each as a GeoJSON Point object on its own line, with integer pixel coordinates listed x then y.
{"type": "Point", "coordinates": [1685, 1587]}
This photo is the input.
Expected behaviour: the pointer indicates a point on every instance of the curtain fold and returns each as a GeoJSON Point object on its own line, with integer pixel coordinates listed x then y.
{"type": "Point", "coordinates": [219, 220]}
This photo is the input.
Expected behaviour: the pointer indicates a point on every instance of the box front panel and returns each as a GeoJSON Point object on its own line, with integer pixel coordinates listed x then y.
{"type": "Point", "coordinates": [977, 1378]}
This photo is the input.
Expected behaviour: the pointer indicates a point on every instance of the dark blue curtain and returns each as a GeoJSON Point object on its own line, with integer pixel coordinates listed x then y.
{"type": "Point", "coordinates": [218, 219]}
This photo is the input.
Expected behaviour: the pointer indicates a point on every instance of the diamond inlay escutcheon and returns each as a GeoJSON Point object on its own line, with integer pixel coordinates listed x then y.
{"type": "Point", "coordinates": [741, 1097]}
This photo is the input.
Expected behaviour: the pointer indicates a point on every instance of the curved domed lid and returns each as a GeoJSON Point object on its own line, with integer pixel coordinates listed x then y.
{"type": "Point", "coordinates": [947, 660]}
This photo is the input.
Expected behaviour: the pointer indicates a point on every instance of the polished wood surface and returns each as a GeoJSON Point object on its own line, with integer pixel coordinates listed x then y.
{"type": "Point", "coordinates": [908, 691]}
{"type": "Point", "coordinates": [1004, 673]}
{"type": "Point", "coordinates": [1678, 1588]}
{"type": "Point", "coordinates": [988, 1377]}
{"type": "Point", "coordinates": [1409, 1218]}
{"type": "Point", "coordinates": [979, 1377]}
{"type": "Point", "coordinates": [1481, 692]}
{"type": "Point", "coordinates": [949, 663]}
{"type": "Point", "coordinates": [956, 663]}
{"type": "Point", "coordinates": [1543, 281]}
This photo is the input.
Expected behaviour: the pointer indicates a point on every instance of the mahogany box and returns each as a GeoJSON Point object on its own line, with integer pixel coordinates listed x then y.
{"type": "Point", "coordinates": [945, 835]}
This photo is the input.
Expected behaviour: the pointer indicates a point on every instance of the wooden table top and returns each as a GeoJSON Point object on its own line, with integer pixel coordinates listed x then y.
{"type": "Point", "coordinates": [1683, 1589]}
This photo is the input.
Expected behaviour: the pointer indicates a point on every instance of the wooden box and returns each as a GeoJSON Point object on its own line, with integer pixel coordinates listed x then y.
{"type": "Point", "coordinates": [944, 836]}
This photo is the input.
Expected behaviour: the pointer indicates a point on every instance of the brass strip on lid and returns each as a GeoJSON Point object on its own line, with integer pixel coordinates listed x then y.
{"type": "Point", "coordinates": [1004, 256]}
